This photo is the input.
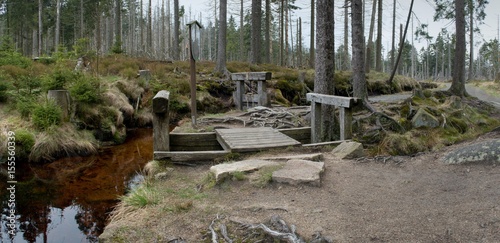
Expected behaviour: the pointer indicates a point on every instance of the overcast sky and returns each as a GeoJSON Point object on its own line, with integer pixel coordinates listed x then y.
{"type": "Point", "coordinates": [423, 13]}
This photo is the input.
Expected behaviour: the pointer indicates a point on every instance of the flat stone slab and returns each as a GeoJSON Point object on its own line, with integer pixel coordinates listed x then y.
{"type": "Point", "coordinates": [313, 157]}
{"type": "Point", "coordinates": [222, 170]}
{"type": "Point", "coordinates": [486, 151]}
{"type": "Point", "coordinates": [349, 150]}
{"type": "Point", "coordinates": [298, 171]}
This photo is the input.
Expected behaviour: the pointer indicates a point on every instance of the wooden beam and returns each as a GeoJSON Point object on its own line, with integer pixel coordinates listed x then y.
{"type": "Point", "coordinates": [339, 101]}
{"type": "Point", "coordinates": [161, 124]}
{"type": "Point", "coordinates": [251, 76]}
{"type": "Point", "coordinates": [190, 156]}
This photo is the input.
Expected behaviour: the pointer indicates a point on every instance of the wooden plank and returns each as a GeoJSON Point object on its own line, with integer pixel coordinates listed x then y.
{"type": "Point", "coordinates": [303, 134]}
{"type": "Point", "coordinates": [189, 156]}
{"type": "Point", "coordinates": [253, 139]}
{"type": "Point", "coordinates": [341, 101]}
{"type": "Point", "coordinates": [325, 143]}
{"type": "Point", "coordinates": [193, 139]}
{"type": "Point", "coordinates": [251, 76]}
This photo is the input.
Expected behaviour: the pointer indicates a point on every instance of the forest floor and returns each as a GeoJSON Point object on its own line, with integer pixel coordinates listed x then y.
{"type": "Point", "coordinates": [383, 199]}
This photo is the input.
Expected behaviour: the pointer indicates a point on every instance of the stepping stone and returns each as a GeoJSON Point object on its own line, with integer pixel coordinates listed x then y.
{"type": "Point", "coordinates": [222, 170]}
{"type": "Point", "coordinates": [297, 172]}
{"type": "Point", "coordinates": [349, 150]}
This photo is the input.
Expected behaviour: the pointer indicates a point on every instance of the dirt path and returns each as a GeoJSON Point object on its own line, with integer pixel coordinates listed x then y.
{"type": "Point", "coordinates": [396, 199]}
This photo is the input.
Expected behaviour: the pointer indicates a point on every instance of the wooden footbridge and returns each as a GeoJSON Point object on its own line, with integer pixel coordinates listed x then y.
{"type": "Point", "coordinates": [211, 145]}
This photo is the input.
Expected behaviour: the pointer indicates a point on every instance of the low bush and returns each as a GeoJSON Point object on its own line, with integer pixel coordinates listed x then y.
{"type": "Point", "coordinates": [46, 115]}
{"type": "Point", "coordinates": [24, 143]}
{"type": "Point", "coordinates": [58, 79]}
{"type": "Point", "coordinates": [86, 89]}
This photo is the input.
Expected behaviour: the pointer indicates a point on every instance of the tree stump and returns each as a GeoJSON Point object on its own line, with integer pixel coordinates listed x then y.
{"type": "Point", "coordinates": [63, 100]}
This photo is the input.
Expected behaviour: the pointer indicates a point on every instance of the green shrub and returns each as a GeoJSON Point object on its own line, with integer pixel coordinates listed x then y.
{"type": "Point", "coordinates": [25, 104]}
{"type": "Point", "coordinates": [4, 86]}
{"type": "Point", "coordinates": [86, 89]}
{"type": "Point", "coordinates": [9, 56]}
{"type": "Point", "coordinates": [46, 115]}
{"type": "Point", "coordinates": [58, 79]}
{"type": "Point", "coordinates": [24, 143]}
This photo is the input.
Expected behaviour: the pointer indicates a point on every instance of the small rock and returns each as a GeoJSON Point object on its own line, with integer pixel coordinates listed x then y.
{"type": "Point", "coordinates": [162, 176]}
{"type": "Point", "coordinates": [297, 172]}
{"type": "Point", "coordinates": [349, 150]}
{"type": "Point", "coordinates": [424, 119]}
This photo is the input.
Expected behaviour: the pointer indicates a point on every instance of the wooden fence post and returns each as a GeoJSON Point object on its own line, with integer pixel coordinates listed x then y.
{"type": "Point", "coordinates": [63, 100]}
{"type": "Point", "coordinates": [161, 125]}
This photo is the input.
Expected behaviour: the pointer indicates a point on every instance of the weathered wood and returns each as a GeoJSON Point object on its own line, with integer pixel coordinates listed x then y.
{"type": "Point", "coordinates": [302, 134]}
{"type": "Point", "coordinates": [251, 76]}
{"type": "Point", "coordinates": [62, 99]}
{"type": "Point", "coordinates": [161, 101]}
{"type": "Point", "coordinates": [325, 143]}
{"type": "Point", "coordinates": [345, 123]}
{"type": "Point", "coordinates": [262, 92]}
{"type": "Point", "coordinates": [200, 156]}
{"type": "Point", "coordinates": [332, 100]}
{"type": "Point", "coordinates": [315, 122]}
{"type": "Point", "coordinates": [194, 142]}
{"type": "Point", "coordinates": [238, 95]}
{"type": "Point", "coordinates": [253, 139]}
{"type": "Point", "coordinates": [161, 126]}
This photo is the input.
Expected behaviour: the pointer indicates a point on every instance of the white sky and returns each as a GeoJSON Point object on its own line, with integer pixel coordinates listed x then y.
{"type": "Point", "coordinates": [423, 13]}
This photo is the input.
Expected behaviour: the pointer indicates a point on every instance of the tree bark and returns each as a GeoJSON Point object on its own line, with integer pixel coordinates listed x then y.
{"type": "Point", "coordinates": [267, 41]}
{"type": "Point", "coordinates": [242, 46]}
{"type": "Point", "coordinates": [150, 29]}
{"type": "Point", "coordinates": [378, 56]}
{"type": "Point", "coordinates": [118, 24]}
{"type": "Point", "coordinates": [58, 24]}
{"type": "Point", "coordinates": [176, 47]}
{"type": "Point", "coordinates": [471, 40]}
{"type": "Point", "coordinates": [358, 62]}
{"type": "Point", "coordinates": [311, 43]}
{"type": "Point", "coordinates": [458, 85]}
{"type": "Point", "coordinates": [324, 63]}
{"type": "Point", "coordinates": [346, 36]}
{"type": "Point", "coordinates": [256, 31]}
{"type": "Point", "coordinates": [221, 51]}
{"type": "Point", "coordinates": [40, 26]}
{"type": "Point", "coordinates": [369, 45]}
{"type": "Point", "coordinates": [393, 48]}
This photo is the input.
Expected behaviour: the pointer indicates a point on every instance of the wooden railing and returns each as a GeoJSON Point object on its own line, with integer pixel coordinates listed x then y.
{"type": "Point", "coordinates": [345, 104]}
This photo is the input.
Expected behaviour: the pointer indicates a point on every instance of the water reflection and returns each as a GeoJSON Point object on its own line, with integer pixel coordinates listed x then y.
{"type": "Point", "coordinates": [69, 200]}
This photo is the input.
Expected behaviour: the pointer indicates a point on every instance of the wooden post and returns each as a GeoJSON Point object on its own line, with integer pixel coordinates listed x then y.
{"type": "Point", "coordinates": [262, 91]}
{"type": "Point", "coordinates": [315, 122]}
{"type": "Point", "coordinates": [240, 92]}
{"type": "Point", "coordinates": [260, 78]}
{"type": "Point", "coordinates": [161, 125]}
{"type": "Point", "coordinates": [63, 100]}
{"type": "Point", "coordinates": [345, 123]}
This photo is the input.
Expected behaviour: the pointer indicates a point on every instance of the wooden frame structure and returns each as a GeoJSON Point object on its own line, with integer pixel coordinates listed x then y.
{"type": "Point", "coordinates": [239, 94]}
{"type": "Point", "coordinates": [345, 104]}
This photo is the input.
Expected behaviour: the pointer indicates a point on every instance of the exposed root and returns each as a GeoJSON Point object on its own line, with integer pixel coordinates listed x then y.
{"type": "Point", "coordinates": [281, 232]}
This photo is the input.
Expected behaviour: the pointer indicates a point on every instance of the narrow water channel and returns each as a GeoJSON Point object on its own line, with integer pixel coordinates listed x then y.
{"type": "Point", "coordinates": [70, 199]}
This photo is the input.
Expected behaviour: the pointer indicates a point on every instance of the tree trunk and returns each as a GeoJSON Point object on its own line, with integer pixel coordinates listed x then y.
{"type": "Point", "coordinates": [311, 43]}
{"type": "Point", "coordinates": [458, 85]}
{"type": "Point", "coordinates": [176, 47]}
{"type": "Point", "coordinates": [40, 26]}
{"type": "Point", "coordinates": [267, 41]}
{"type": "Point", "coordinates": [369, 45]}
{"type": "Point", "coordinates": [282, 33]}
{"type": "Point", "coordinates": [393, 48]}
{"type": "Point", "coordinates": [299, 43]}
{"type": "Point", "coordinates": [471, 40]}
{"type": "Point", "coordinates": [378, 58]}
{"type": "Point", "coordinates": [358, 62]}
{"type": "Point", "coordinates": [58, 23]}
{"type": "Point", "coordinates": [324, 63]}
{"type": "Point", "coordinates": [346, 36]}
{"type": "Point", "coordinates": [150, 29]}
{"type": "Point", "coordinates": [118, 24]}
{"type": "Point", "coordinates": [256, 29]}
{"type": "Point", "coordinates": [221, 51]}
{"type": "Point", "coordinates": [242, 46]}
{"type": "Point", "coordinates": [401, 45]}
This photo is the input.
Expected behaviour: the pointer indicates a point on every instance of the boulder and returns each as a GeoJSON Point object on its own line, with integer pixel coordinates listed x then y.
{"type": "Point", "coordinates": [222, 170]}
{"type": "Point", "coordinates": [424, 119]}
{"type": "Point", "coordinates": [485, 152]}
{"type": "Point", "coordinates": [349, 150]}
{"type": "Point", "coordinates": [297, 172]}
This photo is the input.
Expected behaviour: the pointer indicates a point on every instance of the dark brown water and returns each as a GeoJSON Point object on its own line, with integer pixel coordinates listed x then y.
{"type": "Point", "coordinates": [69, 200]}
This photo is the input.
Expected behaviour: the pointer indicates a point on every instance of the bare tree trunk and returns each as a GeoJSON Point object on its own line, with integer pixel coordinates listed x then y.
{"type": "Point", "coordinates": [346, 36]}
{"type": "Point", "coordinates": [299, 43]}
{"type": "Point", "coordinates": [401, 46]}
{"type": "Point", "coordinates": [471, 40]}
{"type": "Point", "coordinates": [311, 43]}
{"type": "Point", "coordinates": [282, 33]}
{"type": "Point", "coordinates": [242, 49]}
{"type": "Point", "coordinates": [378, 58]}
{"type": "Point", "coordinates": [267, 41]}
{"type": "Point", "coordinates": [324, 76]}
{"type": "Point", "coordinates": [287, 45]}
{"type": "Point", "coordinates": [58, 23]}
{"type": "Point", "coordinates": [150, 29]}
{"type": "Point", "coordinates": [82, 25]}
{"type": "Point", "coordinates": [393, 48]}
{"type": "Point", "coordinates": [118, 24]}
{"type": "Point", "coordinates": [256, 29]}
{"type": "Point", "coordinates": [176, 47]}
{"type": "Point", "coordinates": [358, 62]}
{"type": "Point", "coordinates": [369, 45]}
{"type": "Point", "coordinates": [221, 51]}
{"type": "Point", "coordinates": [458, 85]}
{"type": "Point", "coordinates": [40, 26]}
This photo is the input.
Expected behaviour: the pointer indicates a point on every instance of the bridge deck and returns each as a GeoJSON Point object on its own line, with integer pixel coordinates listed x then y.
{"type": "Point", "coordinates": [253, 139]}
